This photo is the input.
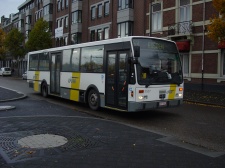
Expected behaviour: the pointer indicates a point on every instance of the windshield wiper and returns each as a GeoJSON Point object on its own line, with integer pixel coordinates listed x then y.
{"type": "Point", "coordinates": [177, 79]}
{"type": "Point", "coordinates": [151, 80]}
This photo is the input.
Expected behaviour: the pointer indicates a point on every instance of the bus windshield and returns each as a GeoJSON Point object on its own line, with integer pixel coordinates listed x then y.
{"type": "Point", "coordinates": [159, 62]}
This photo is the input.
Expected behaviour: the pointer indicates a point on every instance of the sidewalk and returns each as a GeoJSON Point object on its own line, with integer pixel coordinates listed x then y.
{"type": "Point", "coordinates": [204, 97]}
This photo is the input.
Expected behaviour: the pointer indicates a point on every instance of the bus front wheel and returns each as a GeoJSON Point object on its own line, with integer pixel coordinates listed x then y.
{"type": "Point", "coordinates": [93, 99]}
{"type": "Point", "coordinates": [44, 90]}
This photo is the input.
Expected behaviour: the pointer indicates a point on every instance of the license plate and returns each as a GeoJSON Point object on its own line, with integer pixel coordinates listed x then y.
{"type": "Point", "coordinates": [162, 103]}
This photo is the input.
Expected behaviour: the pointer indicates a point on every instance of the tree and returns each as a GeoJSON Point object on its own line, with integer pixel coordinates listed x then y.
{"type": "Point", "coordinates": [2, 47]}
{"type": "Point", "coordinates": [216, 30]}
{"type": "Point", "coordinates": [13, 43]}
{"type": "Point", "coordinates": [39, 37]}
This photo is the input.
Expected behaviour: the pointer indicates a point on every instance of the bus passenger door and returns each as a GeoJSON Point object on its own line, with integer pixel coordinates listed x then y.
{"type": "Point", "coordinates": [116, 79]}
{"type": "Point", "coordinates": [55, 73]}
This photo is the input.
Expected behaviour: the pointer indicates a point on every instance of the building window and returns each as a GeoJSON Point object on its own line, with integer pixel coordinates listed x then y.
{"type": "Point", "coordinates": [65, 41]}
{"type": "Point", "coordinates": [100, 10]}
{"type": "Point", "coordinates": [73, 1]}
{"type": "Point", "coordinates": [66, 21]}
{"type": "Point", "coordinates": [125, 29]}
{"type": "Point", "coordinates": [106, 33]}
{"type": "Point", "coordinates": [67, 3]}
{"type": "Point", "coordinates": [185, 63]}
{"type": "Point", "coordinates": [21, 23]}
{"type": "Point", "coordinates": [28, 19]}
{"type": "Point", "coordinates": [62, 4]}
{"type": "Point", "coordinates": [61, 22]}
{"type": "Point", "coordinates": [76, 38]}
{"type": "Point", "coordinates": [58, 6]}
{"type": "Point", "coordinates": [106, 8]}
{"type": "Point", "coordinates": [77, 17]}
{"type": "Point", "coordinates": [99, 33]}
{"type": "Point", "coordinates": [93, 11]}
{"type": "Point", "coordinates": [58, 23]}
{"type": "Point", "coordinates": [92, 35]}
{"type": "Point", "coordinates": [16, 25]}
{"type": "Point", "coordinates": [48, 9]}
{"type": "Point", "coordinates": [156, 17]}
{"type": "Point", "coordinates": [124, 4]}
{"type": "Point", "coordinates": [184, 17]}
{"type": "Point", "coordinates": [36, 16]}
{"type": "Point", "coordinates": [39, 14]}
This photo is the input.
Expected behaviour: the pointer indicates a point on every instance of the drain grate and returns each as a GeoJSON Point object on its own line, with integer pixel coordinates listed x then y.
{"type": "Point", "coordinates": [12, 150]}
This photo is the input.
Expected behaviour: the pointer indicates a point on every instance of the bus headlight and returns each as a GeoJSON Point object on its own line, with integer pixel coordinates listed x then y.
{"type": "Point", "coordinates": [179, 94]}
{"type": "Point", "coordinates": [141, 97]}
{"type": "Point", "coordinates": [145, 97]}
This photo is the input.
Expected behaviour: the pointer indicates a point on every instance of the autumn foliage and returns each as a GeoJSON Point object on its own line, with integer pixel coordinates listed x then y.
{"type": "Point", "coordinates": [216, 29]}
{"type": "Point", "coordinates": [2, 48]}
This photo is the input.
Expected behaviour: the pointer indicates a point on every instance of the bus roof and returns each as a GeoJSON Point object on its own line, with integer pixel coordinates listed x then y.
{"type": "Point", "coordinates": [94, 43]}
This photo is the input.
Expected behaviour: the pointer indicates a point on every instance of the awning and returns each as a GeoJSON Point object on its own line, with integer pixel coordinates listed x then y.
{"type": "Point", "coordinates": [221, 44]}
{"type": "Point", "coordinates": [183, 45]}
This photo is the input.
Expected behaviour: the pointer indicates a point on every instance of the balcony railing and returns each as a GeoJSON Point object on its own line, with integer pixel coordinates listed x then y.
{"type": "Point", "coordinates": [180, 28]}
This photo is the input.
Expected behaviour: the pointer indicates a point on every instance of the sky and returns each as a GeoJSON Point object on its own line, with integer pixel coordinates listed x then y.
{"type": "Point", "coordinates": [9, 6]}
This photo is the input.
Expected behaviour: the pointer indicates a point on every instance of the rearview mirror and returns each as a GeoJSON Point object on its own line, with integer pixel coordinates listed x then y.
{"type": "Point", "coordinates": [136, 51]}
{"type": "Point", "coordinates": [132, 60]}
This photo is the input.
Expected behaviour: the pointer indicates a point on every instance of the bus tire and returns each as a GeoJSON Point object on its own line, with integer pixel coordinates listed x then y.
{"type": "Point", "coordinates": [93, 99]}
{"type": "Point", "coordinates": [44, 90]}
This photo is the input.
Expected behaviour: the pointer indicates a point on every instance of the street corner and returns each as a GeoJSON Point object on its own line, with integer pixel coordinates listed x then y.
{"type": "Point", "coordinates": [10, 95]}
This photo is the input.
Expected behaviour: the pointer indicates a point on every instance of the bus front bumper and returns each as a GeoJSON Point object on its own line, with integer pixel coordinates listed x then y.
{"type": "Point", "coordinates": [144, 106]}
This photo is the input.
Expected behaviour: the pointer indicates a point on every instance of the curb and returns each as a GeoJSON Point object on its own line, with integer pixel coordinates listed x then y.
{"type": "Point", "coordinates": [204, 103]}
{"type": "Point", "coordinates": [12, 99]}
{"type": "Point", "coordinates": [22, 97]}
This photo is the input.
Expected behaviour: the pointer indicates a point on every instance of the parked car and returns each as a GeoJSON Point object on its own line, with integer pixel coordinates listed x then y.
{"type": "Point", "coordinates": [24, 76]}
{"type": "Point", "coordinates": [5, 71]}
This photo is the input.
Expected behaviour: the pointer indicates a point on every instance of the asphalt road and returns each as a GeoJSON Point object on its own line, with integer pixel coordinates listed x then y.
{"type": "Point", "coordinates": [196, 127]}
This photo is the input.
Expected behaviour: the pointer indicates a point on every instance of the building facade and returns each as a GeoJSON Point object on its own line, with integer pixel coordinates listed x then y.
{"type": "Point", "coordinates": [183, 21]}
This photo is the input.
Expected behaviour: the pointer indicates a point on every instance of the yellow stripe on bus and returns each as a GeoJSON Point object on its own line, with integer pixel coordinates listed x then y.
{"type": "Point", "coordinates": [75, 86]}
{"type": "Point", "coordinates": [172, 91]}
{"type": "Point", "coordinates": [36, 81]}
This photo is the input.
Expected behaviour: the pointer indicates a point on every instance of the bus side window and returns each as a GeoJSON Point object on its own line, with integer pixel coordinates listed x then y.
{"type": "Point", "coordinates": [33, 62]}
{"type": "Point", "coordinates": [70, 60]}
{"type": "Point", "coordinates": [92, 59]}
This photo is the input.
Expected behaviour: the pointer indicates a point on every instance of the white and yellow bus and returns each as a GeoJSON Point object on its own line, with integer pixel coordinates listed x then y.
{"type": "Point", "coordinates": [130, 74]}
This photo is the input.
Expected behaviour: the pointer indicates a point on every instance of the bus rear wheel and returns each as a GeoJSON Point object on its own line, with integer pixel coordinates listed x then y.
{"type": "Point", "coordinates": [93, 99]}
{"type": "Point", "coordinates": [44, 90]}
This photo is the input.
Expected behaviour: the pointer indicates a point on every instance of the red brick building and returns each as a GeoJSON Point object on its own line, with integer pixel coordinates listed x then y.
{"type": "Point", "coordinates": [183, 21]}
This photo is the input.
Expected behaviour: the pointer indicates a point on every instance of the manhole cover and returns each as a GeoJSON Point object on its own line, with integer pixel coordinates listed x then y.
{"type": "Point", "coordinates": [42, 141]}
{"type": "Point", "coordinates": [49, 142]}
